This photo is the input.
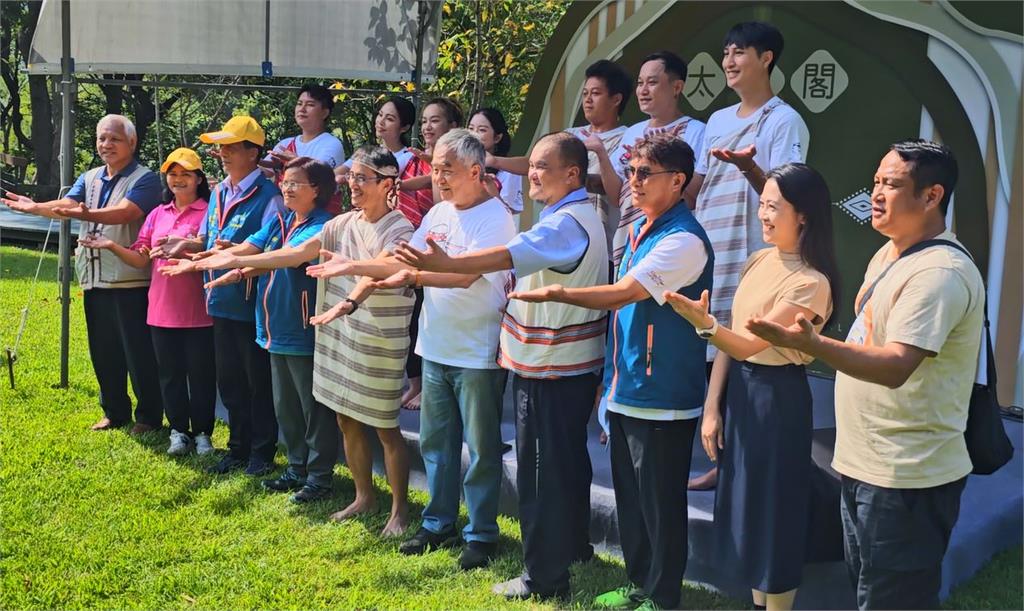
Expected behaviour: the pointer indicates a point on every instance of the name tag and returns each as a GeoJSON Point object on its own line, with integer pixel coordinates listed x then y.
{"type": "Point", "coordinates": [858, 331]}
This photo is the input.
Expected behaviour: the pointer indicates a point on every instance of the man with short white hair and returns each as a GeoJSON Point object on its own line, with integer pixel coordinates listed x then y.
{"type": "Point", "coordinates": [112, 201]}
{"type": "Point", "coordinates": [458, 340]}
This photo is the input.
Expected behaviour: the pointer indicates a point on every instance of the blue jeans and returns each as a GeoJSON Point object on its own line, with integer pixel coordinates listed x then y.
{"type": "Point", "coordinates": [460, 403]}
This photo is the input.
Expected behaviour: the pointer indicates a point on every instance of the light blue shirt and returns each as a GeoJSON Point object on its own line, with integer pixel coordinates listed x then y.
{"type": "Point", "coordinates": [556, 241]}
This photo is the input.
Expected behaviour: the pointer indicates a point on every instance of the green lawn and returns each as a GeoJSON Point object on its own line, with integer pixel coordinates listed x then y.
{"type": "Point", "coordinates": [104, 520]}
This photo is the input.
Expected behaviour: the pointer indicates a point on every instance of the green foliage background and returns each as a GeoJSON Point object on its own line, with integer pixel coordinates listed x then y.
{"type": "Point", "coordinates": [508, 45]}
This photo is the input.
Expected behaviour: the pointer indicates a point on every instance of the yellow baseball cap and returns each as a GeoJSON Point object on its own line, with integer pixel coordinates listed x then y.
{"type": "Point", "coordinates": [185, 157]}
{"type": "Point", "coordinates": [238, 129]}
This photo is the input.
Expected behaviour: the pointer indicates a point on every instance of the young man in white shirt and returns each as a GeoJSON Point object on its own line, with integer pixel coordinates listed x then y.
{"type": "Point", "coordinates": [312, 110]}
{"type": "Point", "coordinates": [742, 142]}
{"type": "Point", "coordinates": [658, 89]}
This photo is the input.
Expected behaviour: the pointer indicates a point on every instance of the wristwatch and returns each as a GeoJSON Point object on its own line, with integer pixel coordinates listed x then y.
{"type": "Point", "coordinates": [355, 304]}
{"type": "Point", "coordinates": [709, 332]}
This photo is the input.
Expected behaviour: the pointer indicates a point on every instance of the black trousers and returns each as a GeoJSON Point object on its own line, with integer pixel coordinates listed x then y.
{"type": "Point", "coordinates": [895, 540]}
{"type": "Point", "coordinates": [188, 378]}
{"type": "Point", "coordinates": [120, 348]}
{"type": "Point", "coordinates": [243, 379]}
{"type": "Point", "coordinates": [650, 465]}
{"type": "Point", "coordinates": [554, 474]}
{"type": "Point", "coordinates": [413, 362]}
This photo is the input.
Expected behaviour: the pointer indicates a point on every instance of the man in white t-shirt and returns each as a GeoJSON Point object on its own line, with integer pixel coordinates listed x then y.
{"type": "Point", "coordinates": [658, 89]}
{"type": "Point", "coordinates": [605, 95]}
{"type": "Point", "coordinates": [458, 340]}
{"type": "Point", "coordinates": [742, 142]}
{"type": "Point", "coordinates": [312, 110]}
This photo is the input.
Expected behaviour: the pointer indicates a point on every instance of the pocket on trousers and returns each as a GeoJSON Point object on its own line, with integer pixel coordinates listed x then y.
{"type": "Point", "coordinates": [901, 529]}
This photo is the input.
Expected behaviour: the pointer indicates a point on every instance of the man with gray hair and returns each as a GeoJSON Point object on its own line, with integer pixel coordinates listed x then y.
{"type": "Point", "coordinates": [458, 340]}
{"type": "Point", "coordinates": [112, 201]}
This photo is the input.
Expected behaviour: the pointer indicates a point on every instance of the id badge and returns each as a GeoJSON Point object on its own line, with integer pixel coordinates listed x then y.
{"type": "Point", "coordinates": [857, 331]}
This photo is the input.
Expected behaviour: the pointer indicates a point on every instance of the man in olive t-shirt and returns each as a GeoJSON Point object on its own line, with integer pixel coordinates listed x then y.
{"type": "Point", "coordinates": [903, 385]}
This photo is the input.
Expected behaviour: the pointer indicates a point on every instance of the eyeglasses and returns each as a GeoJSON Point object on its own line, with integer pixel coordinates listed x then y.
{"type": "Point", "coordinates": [642, 174]}
{"type": "Point", "coordinates": [361, 179]}
{"type": "Point", "coordinates": [291, 185]}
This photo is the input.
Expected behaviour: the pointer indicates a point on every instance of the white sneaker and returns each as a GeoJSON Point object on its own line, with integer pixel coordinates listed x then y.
{"type": "Point", "coordinates": [181, 444]}
{"type": "Point", "coordinates": [204, 445]}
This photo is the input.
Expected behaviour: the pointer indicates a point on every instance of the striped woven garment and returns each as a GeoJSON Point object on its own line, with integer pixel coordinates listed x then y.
{"type": "Point", "coordinates": [359, 359]}
{"type": "Point", "coordinates": [722, 208]}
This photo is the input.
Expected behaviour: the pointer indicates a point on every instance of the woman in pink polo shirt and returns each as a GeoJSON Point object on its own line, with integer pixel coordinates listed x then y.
{"type": "Point", "coordinates": [181, 329]}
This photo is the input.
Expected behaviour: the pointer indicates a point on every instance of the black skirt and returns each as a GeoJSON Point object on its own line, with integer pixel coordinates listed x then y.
{"type": "Point", "coordinates": [762, 503]}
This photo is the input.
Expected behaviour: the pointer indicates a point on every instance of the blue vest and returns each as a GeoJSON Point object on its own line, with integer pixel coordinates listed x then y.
{"type": "Point", "coordinates": [244, 218]}
{"type": "Point", "coordinates": [287, 296]}
{"type": "Point", "coordinates": [655, 358]}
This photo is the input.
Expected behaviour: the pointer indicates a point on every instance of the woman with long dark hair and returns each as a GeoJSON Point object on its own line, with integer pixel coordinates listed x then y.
{"type": "Point", "coordinates": [489, 125]}
{"type": "Point", "coordinates": [764, 447]}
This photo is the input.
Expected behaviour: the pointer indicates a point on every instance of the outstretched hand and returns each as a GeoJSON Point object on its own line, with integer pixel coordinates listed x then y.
{"type": "Point", "coordinates": [224, 279]}
{"type": "Point", "coordinates": [798, 335]}
{"type": "Point", "coordinates": [545, 293]}
{"type": "Point", "coordinates": [695, 312]}
{"type": "Point", "coordinates": [176, 267]}
{"type": "Point", "coordinates": [396, 280]}
{"type": "Point", "coordinates": [93, 240]}
{"type": "Point", "coordinates": [331, 265]}
{"type": "Point", "coordinates": [220, 259]}
{"type": "Point", "coordinates": [80, 212]}
{"type": "Point", "coordinates": [342, 308]}
{"type": "Point", "coordinates": [18, 203]}
{"type": "Point", "coordinates": [742, 158]}
{"type": "Point", "coordinates": [433, 259]}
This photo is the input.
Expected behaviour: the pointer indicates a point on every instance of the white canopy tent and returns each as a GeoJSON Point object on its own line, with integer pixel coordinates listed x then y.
{"type": "Point", "coordinates": [382, 40]}
{"type": "Point", "coordinates": [343, 39]}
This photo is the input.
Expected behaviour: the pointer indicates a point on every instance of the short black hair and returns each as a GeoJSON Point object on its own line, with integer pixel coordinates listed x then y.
{"type": "Point", "coordinates": [758, 34]}
{"type": "Point", "coordinates": [452, 110]}
{"type": "Point", "coordinates": [319, 174]}
{"type": "Point", "coordinates": [615, 78]}
{"type": "Point", "coordinates": [406, 114]}
{"type": "Point", "coordinates": [319, 93]}
{"type": "Point", "coordinates": [571, 151]}
{"type": "Point", "coordinates": [500, 127]}
{"type": "Point", "coordinates": [670, 153]}
{"type": "Point", "coordinates": [931, 163]}
{"type": "Point", "coordinates": [674, 64]}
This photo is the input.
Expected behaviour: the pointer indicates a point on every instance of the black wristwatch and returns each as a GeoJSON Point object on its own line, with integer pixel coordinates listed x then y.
{"type": "Point", "coordinates": [355, 304]}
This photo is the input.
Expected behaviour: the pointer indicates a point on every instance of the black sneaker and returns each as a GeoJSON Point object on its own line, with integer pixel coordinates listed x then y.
{"type": "Point", "coordinates": [227, 464]}
{"type": "Point", "coordinates": [258, 466]}
{"type": "Point", "coordinates": [286, 483]}
{"type": "Point", "coordinates": [425, 540]}
{"type": "Point", "coordinates": [310, 493]}
{"type": "Point", "coordinates": [477, 554]}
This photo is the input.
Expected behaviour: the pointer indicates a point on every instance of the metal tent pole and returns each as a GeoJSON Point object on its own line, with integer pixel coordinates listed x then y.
{"type": "Point", "coordinates": [422, 20]}
{"type": "Point", "coordinates": [67, 169]}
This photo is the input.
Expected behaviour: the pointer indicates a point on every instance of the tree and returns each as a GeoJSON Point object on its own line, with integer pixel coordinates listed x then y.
{"type": "Point", "coordinates": [487, 54]}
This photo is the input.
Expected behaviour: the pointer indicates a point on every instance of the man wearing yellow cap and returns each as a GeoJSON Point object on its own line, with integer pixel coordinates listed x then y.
{"type": "Point", "coordinates": [239, 206]}
{"type": "Point", "coordinates": [111, 202]}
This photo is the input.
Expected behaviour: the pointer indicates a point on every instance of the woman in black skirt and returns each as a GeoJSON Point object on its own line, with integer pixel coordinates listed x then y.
{"type": "Point", "coordinates": [762, 504]}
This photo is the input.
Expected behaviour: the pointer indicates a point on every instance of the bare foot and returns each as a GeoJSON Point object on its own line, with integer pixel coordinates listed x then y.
{"type": "Point", "coordinates": [704, 482]}
{"type": "Point", "coordinates": [411, 399]}
{"type": "Point", "coordinates": [396, 525]}
{"type": "Point", "coordinates": [357, 508]}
